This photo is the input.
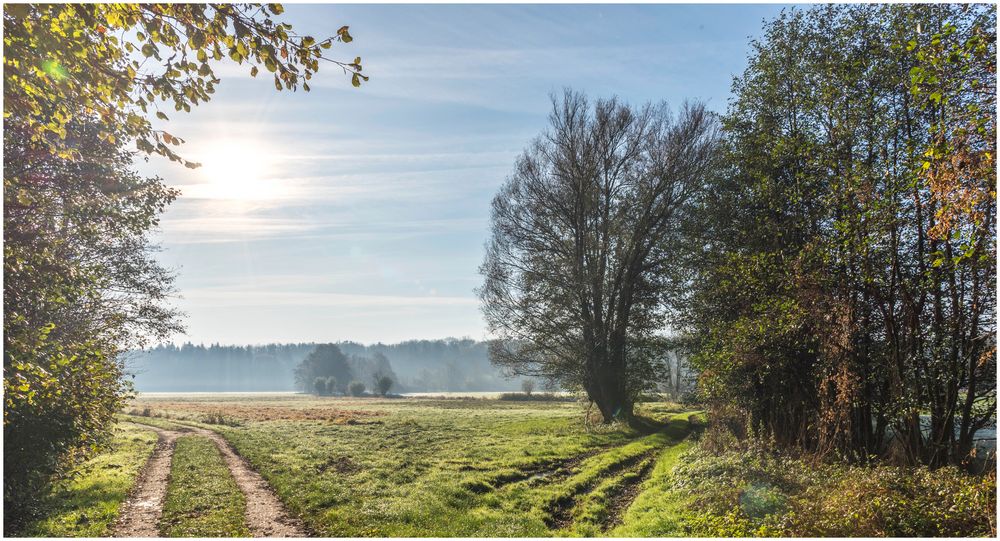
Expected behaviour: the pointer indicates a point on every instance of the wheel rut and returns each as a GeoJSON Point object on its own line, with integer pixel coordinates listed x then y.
{"type": "Point", "coordinates": [539, 473]}
{"type": "Point", "coordinates": [141, 511]}
{"type": "Point", "coordinates": [624, 494]}
{"type": "Point", "coordinates": [560, 511]}
{"type": "Point", "coordinates": [265, 515]}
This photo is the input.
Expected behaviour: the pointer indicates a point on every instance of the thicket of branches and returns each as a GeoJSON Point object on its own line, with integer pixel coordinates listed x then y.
{"type": "Point", "coordinates": [846, 296]}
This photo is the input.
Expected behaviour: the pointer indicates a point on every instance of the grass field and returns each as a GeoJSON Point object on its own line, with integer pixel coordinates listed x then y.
{"type": "Point", "coordinates": [86, 504]}
{"type": "Point", "coordinates": [436, 467]}
{"type": "Point", "coordinates": [359, 467]}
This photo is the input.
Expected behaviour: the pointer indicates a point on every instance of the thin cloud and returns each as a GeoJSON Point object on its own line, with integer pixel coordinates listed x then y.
{"type": "Point", "coordinates": [217, 297]}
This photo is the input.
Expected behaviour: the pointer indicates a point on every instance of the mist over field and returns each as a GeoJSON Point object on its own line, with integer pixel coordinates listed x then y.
{"type": "Point", "coordinates": [446, 365]}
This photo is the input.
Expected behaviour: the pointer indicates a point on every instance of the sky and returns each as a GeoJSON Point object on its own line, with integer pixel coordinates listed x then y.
{"type": "Point", "coordinates": [361, 213]}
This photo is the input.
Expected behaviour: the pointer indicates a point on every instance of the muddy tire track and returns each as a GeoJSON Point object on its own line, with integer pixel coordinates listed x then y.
{"type": "Point", "coordinates": [624, 494]}
{"type": "Point", "coordinates": [560, 510]}
{"type": "Point", "coordinates": [535, 473]}
{"type": "Point", "coordinates": [140, 513]}
{"type": "Point", "coordinates": [266, 516]}
{"type": "Point", "coordinates": [545, 472]}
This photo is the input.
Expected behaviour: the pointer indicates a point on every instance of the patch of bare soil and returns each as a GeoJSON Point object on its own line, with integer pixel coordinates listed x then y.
{"type": "Point", "coordinates": [341, 464]}
{"type": "Point", "coordinates": [624, 494]}
{"type": "Point", "coordinates": [141, 511]}
{"type": "Point", "coordinates": [266, 516]}
{"type": "Point", "coordinates": [560, 510]}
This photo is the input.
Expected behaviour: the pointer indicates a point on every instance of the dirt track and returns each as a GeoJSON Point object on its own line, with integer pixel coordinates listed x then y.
{"type": "Point", "coordinates": [140, 514]}
{"type": "Point", "coordinates": [266, 516]}
{"type": "Point", "coordinates": [141, 511]}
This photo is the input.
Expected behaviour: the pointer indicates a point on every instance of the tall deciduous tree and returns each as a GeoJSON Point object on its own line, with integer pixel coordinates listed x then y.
{"type": "Point", "coordinates": [832, 304]}
{"type": "Point", "coordinates": [325, 361]}
{"type": "Point", "coordinates": [80, 286]}
{"type": "Point", "coordinates": [578, 266]}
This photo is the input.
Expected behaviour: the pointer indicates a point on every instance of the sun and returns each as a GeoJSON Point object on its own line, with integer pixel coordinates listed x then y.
{"type": "Point", "coordinates": [236, 170]}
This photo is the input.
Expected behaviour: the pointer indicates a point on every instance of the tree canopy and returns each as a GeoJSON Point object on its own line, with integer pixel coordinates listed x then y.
{"type": "Point", "coordinates": [125, 63]}
{"type": "Point", "coordinates": [325, 361]}
{"type": "Point", "coordinates": [844, 298]}
{"type": "Point", "coordinates": [578, 268]}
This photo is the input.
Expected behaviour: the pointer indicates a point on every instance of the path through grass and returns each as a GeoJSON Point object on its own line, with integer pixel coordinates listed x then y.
{"type": "Point", "coordinates": [202, 498]}
{"type": "Point", "coordinates": [87, 503]}
{"type": "Point", "coordinates": [420, 467]}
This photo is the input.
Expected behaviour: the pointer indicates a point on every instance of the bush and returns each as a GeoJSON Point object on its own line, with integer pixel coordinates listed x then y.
{"type": "Point", "coordinates": [319, 386]}
{"type": "Point", "coordinates": [383, 384]}
{"type": "Point", "coordinates": [754, 490]}
{"type": "Point", "coordinates": [75, 297]}
{"type": "Point", "coordinates": [331, 385]}
{"type": "Point", "coordinates": [218, 418]}
{"type": "Point", "coordinates": [356, 388]}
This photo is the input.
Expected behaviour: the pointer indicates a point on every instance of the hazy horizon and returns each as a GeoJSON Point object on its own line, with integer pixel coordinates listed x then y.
{"type": "Point", "coordinates": [180, 342]}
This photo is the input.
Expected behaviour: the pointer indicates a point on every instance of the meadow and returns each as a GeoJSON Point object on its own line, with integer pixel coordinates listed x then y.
{"type": "Point", "coordinates": [434, 467]}
{"type": "Point", "coordinates": [397, 467]}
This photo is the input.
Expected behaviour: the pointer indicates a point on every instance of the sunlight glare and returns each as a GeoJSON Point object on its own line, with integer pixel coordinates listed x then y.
{"type": "Point", "coordinates": [237, 170]}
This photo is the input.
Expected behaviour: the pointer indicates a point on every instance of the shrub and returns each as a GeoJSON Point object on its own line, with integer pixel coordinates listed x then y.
{"type": "Point", "coordinates": [753, 490]}
{"type": "Point", "coordinates": [331, 385]}
{"type": "Point", "coordinates": [319, 386]}
{"type": "Point", "coordinates": [356, 388]}
{"type": "Point", "coordinates": [218, 418]}
{"type": "Point", "coordinates": [80, 287]}
{"type": "Point", "coordinates": [383, 384]}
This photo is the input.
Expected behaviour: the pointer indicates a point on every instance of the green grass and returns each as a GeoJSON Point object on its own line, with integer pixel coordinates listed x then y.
{"type": "Point", "coordinates": [151, 421]}
{"type": "Point", "coordinates": [202, 497]}
{"type": "Point", "coordinates": [426, 467]}
{"type": "Point", "coordinates": [657, 511]}
{"type": "Point", "coordinates": [87, 503]}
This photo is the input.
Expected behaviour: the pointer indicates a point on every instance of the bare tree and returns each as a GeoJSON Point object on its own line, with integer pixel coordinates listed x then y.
{"type": "Point", "coordinates": [576, 273]}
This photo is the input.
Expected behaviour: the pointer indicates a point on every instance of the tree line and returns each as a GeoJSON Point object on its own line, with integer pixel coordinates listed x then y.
{"type": "Point", "coordinates": [415, 366]}
{"type": "Point", "coordinates": [824, 251]}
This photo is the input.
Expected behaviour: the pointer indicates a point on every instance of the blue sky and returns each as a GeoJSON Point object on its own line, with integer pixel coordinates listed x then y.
{"type": "Point", "coordinates": [360, 214]}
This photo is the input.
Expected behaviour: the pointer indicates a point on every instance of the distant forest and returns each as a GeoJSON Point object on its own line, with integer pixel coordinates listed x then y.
{"type": "Point", "coordinates": [419, 366]}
